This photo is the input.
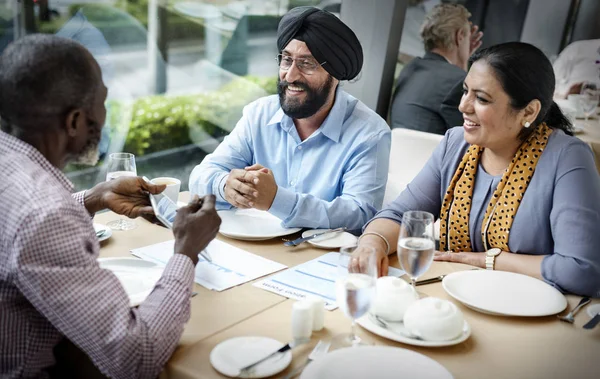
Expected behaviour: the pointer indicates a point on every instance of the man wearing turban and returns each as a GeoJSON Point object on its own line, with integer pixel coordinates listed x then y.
{"type": "Point", "coordinates": [313, 155]}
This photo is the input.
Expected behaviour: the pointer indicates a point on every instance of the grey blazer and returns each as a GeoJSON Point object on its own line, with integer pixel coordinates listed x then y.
{"type": "Point", "coordinates": [559, 215]}
{"type": "Point", "coordinates": [427, 95]}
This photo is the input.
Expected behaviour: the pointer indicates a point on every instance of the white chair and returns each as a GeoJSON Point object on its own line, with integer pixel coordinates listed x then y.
{"type": "Point", "coordinates": [410, 151]}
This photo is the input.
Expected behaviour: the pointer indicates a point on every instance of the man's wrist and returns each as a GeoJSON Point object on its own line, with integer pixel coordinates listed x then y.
{"type": "Point", "coordinates": [94, 198]}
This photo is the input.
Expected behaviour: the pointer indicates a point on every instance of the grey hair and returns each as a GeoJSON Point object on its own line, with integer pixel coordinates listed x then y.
{"type": "Point", "coordinates": [441, 23]}
{"type": "Point", "coordinates": [43, 77]}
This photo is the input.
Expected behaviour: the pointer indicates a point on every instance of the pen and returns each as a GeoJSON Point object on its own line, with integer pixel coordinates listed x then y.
{"type": "Point", "coordinates": [206, 256]}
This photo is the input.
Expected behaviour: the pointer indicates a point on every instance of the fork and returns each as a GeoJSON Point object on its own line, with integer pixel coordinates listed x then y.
{"type": "Point", "coordinates": [569, 318]}
{"type": "Point", "coordinates": [320, 349]}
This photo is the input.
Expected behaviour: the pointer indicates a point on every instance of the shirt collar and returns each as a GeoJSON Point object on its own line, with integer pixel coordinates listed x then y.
{"type": "Point", "coordinates": [9, 143]}
{"type": "Point", "coordinates": [331, 126]}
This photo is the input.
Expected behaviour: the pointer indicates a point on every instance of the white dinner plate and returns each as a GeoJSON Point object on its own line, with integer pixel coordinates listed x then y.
{"type": "Point", "coordinates": [330, 240]}
{"type": "Point", "coordinates": [367, 323]}
{"type": "Point", "coordinates": [252, 225]}
{"type": "Point", "coordinates": [107, 234]}
{"type": "Point", "coordinates": [504, 293]}
{"type": "Point", "coordinates": [231, 355]}
{"type": "Point", "coordinates": [381, 362]}
{"type": "Point", "coordinates": [137, 276]}
{"type": "Point", "coordinates": [593, 310]}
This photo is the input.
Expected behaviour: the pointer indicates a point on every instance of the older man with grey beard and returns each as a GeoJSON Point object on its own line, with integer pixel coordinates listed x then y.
{"type": "Point", "coordinates": [51, 286]}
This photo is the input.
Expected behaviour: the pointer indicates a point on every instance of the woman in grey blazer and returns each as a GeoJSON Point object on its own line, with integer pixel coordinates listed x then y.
{"type": "Point", "coordinates": [513, 178]}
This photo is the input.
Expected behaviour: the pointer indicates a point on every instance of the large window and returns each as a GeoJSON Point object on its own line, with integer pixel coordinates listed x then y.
{"type": "Point", "coordinates": [179, 72]}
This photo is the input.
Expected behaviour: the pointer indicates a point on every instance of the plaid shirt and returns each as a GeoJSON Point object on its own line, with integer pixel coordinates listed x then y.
{"type": "Point", "coordinates": [51, 286]}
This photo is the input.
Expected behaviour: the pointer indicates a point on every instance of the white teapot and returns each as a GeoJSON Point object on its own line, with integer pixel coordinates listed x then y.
{"type": "Point", "coordinates": [394, 296]}
{"type": "Point", "coordinates": [434, 319]}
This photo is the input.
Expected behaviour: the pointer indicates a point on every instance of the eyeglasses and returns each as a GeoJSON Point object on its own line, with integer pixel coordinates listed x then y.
{"type": "Point", "coordinates": [307, 66]}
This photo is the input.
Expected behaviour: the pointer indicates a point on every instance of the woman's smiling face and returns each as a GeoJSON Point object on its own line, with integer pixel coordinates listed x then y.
{"type": "Point", "coordinates": [489, 119]}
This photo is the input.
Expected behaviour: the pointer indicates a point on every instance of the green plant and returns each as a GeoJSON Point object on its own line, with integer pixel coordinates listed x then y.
{"type": "Point", "coordinates": [156, 123]}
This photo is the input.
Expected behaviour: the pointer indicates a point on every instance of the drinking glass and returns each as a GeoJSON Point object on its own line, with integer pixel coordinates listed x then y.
{"type": "Point", "coordinates": [121, 164]}
{"type": "Point", "coordinates": [416, 244]}
{"type": "Point", "coordinates": [355, 292]}
{"type": "Point", "coordinates": [590, 95]}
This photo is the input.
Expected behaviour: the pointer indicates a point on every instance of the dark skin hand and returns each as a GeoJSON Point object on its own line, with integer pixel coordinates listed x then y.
{"type": "Point", "coordinates": [195, 226]}
{"type": "Point", "coordinates": [126, 196]}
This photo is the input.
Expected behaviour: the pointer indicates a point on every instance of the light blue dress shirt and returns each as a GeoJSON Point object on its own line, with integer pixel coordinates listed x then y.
{"type": "Point", "coordinates": [336, 177]}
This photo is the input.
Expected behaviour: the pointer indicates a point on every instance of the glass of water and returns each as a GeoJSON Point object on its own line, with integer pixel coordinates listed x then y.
{"type": "Point", "coordinates": [121, 164]}
{"type": "Point", "coordinates": [355, 292]}
{"type": "Point", "coordinates": [590, 96]}
{"type": "Point", "coordinates": [416, 243]}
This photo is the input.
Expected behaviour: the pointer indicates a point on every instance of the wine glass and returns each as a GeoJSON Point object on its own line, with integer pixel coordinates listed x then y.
{"type": "Point", "coordinates": [121, 164]}
{"type": "Point", "coordinates": [355, 292]}
{"type": "Point", "coordinates": [590, 96]}
{"type": "Point", "coordinates": [416, 244]}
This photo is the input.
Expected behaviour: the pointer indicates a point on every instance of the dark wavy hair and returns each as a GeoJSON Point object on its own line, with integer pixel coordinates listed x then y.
{"type": "Point", "coordinates": [525, 74]}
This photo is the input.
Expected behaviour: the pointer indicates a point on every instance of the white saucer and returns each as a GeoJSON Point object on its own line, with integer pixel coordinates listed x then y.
{"type": "Point", "coordinates": [372, 327]}
{"type": "Point", "coordinates": [106, 235]}
{"type": "Point", "coordinates": [376, 362]}
{"type": "Point", "coordinates": [137, 276]}
{"type": "Point", "coordinates": [231, 355]}
{"type": "Point", "coordinates": [331, 240]}
{"type": "Point", "coordinates": [593, 310]}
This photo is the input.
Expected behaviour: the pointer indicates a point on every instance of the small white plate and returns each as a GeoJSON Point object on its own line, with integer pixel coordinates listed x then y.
{"type": "Point", "coordinates": [231, 355]}
{"type": "Point", "coordinates": [252, 225]}
{"type": "Point", "coordinates": [331, 240]}
{"type": "Point", "coordinates": [372, 327]}
{"type": "Point", "coordinates": [381, 362]}
{"type": "Point", "coordinates": [137, 276]}
{"type": "Point", "coordinates": [107, 234]}
{"type": "Point", "coordinates": [593, 310]}
{"type": "Point", "coordinates": [504, 293]}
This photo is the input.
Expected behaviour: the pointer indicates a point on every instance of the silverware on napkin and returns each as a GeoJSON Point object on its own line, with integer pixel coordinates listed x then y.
{"type": "Point", "coordinates": [593, 322]}
{"type": "Point", "coordinates": [282, 349]}
{"type": "Point", "coordinates": [298, 241]}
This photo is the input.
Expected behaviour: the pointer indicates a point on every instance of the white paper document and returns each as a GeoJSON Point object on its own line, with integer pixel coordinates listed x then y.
{"type": "Point", "coordinates": [230, 265]}
{"type": "Point", "coordinates": [312, 278]}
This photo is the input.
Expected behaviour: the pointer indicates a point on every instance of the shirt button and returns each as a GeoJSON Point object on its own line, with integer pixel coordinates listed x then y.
{"type": "Point", "coordinates": [292, 183]}
{"type": "Point", "coordinates": [299, 147]}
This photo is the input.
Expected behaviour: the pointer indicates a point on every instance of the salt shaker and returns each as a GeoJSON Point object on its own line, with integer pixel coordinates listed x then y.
{"type": "Point", "coordinates": [302, 321]}
{"type": "Point", "coordinates": [318, 307]}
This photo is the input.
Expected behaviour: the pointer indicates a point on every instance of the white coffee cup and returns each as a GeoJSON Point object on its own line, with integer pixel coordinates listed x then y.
{"type": "Point", "coordinates": [173, 187]}
{"type": "Point", "coordinates": [434, 319]}
{"type": "Point", "coordinates": [394, 296]}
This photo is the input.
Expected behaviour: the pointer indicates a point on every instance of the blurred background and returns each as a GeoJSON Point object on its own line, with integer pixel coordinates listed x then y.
{"type": "Point", "coordinates": [179, 72]}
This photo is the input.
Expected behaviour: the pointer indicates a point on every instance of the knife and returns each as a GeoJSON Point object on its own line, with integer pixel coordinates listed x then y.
{"type": "Point", "coordinates": [298, 241]}
{"type": "Point", "coordinates": [593, 322]}
{"type": "Point", "coordinates": [282, 349]}
{"type": "Point", "coordinates": [431, 280]}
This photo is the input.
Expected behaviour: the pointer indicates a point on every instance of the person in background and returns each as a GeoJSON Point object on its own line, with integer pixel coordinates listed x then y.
{"type": "Point", "coordinates": [51, 286]}
{"type": "Point", "coordinates": [513, 189]}
{"type": "Point", "coordinates": [428, 90]}
{"type": "Point", "coordinates": [312, 155]}
{"type": "Point", "coordinates": [576, 64]}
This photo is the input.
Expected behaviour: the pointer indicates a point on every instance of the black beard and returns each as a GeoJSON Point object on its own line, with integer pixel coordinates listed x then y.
{"type": "Point", "coordinates": [315, 98]}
